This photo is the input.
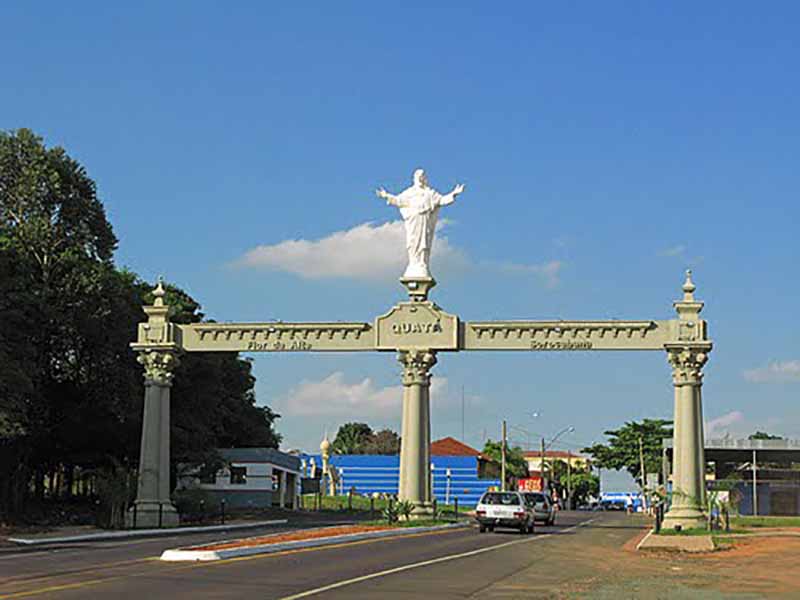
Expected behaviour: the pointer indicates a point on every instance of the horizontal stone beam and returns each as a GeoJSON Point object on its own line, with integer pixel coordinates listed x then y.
{"type": "Point", "coordinates": [421, 330]}
{"type": "Point", "coordinates": [276, 337]}
{"type": "Point", "coordinates": [574, 335]}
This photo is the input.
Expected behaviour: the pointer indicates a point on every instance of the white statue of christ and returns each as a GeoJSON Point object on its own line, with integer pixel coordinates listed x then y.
{"type": "Point", "coordinates": [419, 205]}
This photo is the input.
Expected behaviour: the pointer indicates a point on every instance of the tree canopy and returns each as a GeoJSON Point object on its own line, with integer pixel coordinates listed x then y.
{"type": "Point", "coordinates": [516, 465]}
{"type": "Point", "coordinates": [71, 392]}
{"type": "Point", "coordinates": [762, 435]}
{"type": "Point", "coordinates": [359, 438]}
{"type": "Point", "coordinates": [622, 449]}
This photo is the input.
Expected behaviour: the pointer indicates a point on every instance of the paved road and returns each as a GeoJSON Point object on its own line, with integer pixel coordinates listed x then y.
{"type": "Point", "coordinates": [455, 563]}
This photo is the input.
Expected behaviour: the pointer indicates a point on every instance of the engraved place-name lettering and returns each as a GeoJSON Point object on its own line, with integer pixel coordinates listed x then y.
{"type": "Point", "coordinates": [403, 328]}
{"type": "Point", "coordinates": [295, 346]}
{"type": "Point", "coordinates": [561, 345]}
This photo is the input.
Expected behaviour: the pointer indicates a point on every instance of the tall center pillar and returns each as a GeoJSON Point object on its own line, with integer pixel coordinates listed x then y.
{"type": "Point", "coordinates": [416, 432]}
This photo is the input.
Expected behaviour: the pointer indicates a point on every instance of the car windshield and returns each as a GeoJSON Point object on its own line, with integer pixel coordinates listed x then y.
{"type": "Point", "coordinates": [500, 498]}
{"type": "Point", "coordinates": [537, 497]}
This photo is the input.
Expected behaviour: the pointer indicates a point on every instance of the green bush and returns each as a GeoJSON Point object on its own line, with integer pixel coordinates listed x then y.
{"type": "Point", "coordinates": [194, 504]}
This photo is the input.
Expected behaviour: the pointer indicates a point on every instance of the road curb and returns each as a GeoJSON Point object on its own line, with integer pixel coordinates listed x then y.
{"type": "Point", "coordinates": [187, 554]}
{"type": "Point", "coordinates": [137, 533]}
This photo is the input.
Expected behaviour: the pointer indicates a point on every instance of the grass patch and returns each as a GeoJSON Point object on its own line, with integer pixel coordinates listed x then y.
{"type": "Point", "coordinates": [413, 523]}
{"type": "Point", "coordinates": [765, 521]}
{"type": "Point", "coordinates": [685, 532]}
{"type": "Point", "coordinates": [362, 504]}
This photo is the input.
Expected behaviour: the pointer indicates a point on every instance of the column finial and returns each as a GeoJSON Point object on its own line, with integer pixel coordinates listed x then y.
{"type": "Point", "coordinates": [689, 287]}
{"type": "Point", "coordinates": [159, 292]}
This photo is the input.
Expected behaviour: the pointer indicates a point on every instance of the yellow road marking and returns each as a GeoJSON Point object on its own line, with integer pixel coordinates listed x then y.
{"type": "Point", "coordinates": [21, 579]}
{"type": "Point", "coordinates": [91, 582]}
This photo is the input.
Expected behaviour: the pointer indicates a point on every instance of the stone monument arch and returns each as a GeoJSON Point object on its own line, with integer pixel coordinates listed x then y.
{"type": "Point", "coordinates": [419, 332]}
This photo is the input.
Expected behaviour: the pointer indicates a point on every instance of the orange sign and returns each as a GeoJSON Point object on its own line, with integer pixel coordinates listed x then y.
{"type": "Point", "coordinates": [529, 484]}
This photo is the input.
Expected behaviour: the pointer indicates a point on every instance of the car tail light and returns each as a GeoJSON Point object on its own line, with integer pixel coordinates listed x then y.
{"type": "Point", "coordinates": [519, 515]}
{"type": "Point", "coordinates": [480, 513]}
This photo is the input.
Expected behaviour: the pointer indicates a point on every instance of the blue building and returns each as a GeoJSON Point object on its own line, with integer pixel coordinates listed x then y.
{"type": "Point", "coordinates": [458, 471]}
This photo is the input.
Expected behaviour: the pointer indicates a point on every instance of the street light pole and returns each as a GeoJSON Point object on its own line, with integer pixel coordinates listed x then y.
{"type": "Point", "coordinates": [569, 479]}
{"type": "Point", "coordinates": [503, 460]}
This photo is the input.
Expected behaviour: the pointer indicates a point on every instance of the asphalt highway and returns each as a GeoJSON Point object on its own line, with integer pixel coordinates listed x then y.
{"type": "Point", "coordinates": [453, 563]}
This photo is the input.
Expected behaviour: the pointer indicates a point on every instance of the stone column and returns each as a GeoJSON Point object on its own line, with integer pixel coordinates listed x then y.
{"type": "Point", "coordinates": [416, 433]}
{"type": "Point", "coordinates": [688, 453]}
{"type": "Point", "coordinates": [153, 507]}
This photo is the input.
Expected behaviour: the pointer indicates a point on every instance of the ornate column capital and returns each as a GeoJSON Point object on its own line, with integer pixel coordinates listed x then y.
{"type": "Point", "coordinates": [687, 364]}
{"type": "Point", "coordinates": [159, 366]}
{"type": "Point", "coordinates": [416, 366]}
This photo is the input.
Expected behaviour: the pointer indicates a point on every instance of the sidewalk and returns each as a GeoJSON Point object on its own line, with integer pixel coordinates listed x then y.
{"type": "Point", "coordinates": [86, 534]}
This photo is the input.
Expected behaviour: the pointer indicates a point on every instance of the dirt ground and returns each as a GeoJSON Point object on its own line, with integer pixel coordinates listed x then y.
{"type": "Point", "coordinates": [744, 568]}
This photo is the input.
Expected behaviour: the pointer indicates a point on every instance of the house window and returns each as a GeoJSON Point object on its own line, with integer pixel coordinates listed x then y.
{"type": "Point", "coordinates": [238, 475]}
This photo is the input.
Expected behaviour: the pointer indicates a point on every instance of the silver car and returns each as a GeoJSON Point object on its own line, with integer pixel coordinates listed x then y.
{"type": "Point", "coordinates": [504, 509]}
{"type": "Point", "coordinates": [543, 508]}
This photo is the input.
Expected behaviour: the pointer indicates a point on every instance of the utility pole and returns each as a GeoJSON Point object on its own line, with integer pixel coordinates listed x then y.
{"type": "Point", "coordinates": [755, 485]}
{"type": "Point", "coordinates": [643, 474]}
{"type": "Point", "coordinates": [503, 460]}
{"type": "Point", "coordinates": [541, 467]}
{"type": "Point", "coordinates": [569, 479]}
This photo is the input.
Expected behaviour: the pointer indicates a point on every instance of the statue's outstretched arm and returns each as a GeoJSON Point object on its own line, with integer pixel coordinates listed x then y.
{"type": "Point", "coordinates": [390, 199]}
{"type": "Point", "coordinates": [451, 197]}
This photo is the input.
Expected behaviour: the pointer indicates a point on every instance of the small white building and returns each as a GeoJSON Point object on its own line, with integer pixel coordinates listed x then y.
{"type": "Point", "coordinates": [254, 478]}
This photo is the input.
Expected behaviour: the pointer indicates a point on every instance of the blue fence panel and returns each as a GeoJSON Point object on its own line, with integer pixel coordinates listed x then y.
{"type": "Point", "coordinates": [453, 476]}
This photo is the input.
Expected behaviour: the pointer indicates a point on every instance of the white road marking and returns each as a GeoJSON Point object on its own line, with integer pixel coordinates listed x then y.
{"type": "Point", "coordinates": [424, 563]}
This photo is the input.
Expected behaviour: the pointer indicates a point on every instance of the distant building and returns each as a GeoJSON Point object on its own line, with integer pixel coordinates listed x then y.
{"type": "Point", "coordinates": [534, 459]}
{"type": "Point", "coordinates": [458, 471]}
{"type": "Point", "coordinates": [764, 474]}
{"type": "Point", "coordinates": [253, 478]}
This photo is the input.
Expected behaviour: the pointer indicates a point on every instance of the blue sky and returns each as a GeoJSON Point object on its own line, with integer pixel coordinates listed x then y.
{"type": "Point", "coordinates": [605, 148]}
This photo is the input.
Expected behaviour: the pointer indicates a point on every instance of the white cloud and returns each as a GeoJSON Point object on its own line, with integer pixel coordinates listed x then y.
{"type": "Point", "coordinates": [366, 252]}
{"type": "Point", "coordinates": [718, 427]}
{"type": "Point", "coordinates": [374, 252]}
{"type": "Point", "coordinates": [775, 372]}
{"type": "Point", "coordinates": [335, 396]}
{"type": "Point", "coordinates": [674, 251]}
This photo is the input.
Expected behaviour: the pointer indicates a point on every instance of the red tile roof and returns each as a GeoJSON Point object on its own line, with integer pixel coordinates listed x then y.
{"type": "Point", "coordinates": [450, 446]}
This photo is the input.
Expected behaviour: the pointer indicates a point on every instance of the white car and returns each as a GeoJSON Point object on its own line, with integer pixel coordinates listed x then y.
{"type": "Point", "coordinates": [504, 509]}
{"type": "Point", "coordinates": [543, 508]}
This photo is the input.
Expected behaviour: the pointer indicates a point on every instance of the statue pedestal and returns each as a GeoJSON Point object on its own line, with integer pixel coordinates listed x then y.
{"type": "Point", "coordinates": [418, 287]}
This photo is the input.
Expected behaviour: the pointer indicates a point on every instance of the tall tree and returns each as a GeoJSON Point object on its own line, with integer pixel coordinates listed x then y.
{"type": "Point", "coordinates": [516, 465]}
{"type": "Point", "coordinates": [352, 438]}
{"type": "Point", "coordinates": [70, 388]}
{"type": "Point", "coordinates": [622, 449]}
{"type": "Point", "coordinates": [384, 441]}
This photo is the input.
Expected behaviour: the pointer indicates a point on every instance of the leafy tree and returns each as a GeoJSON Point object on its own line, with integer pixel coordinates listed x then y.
{"type": "Point", "coordinates": [622, 449]}
{"type": "Point", "coordinates": [580, 480]}
{"type": "Point", "coordinates": [352, 438]}
{"type": "Point", "coordinates": [71, 391]}
{"type": "Point", "coordinates": [516, 466]}
{"type": "Point", "coordinates": [761, 435]}
{"type": "Point", "coordinates": [384, 441]}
